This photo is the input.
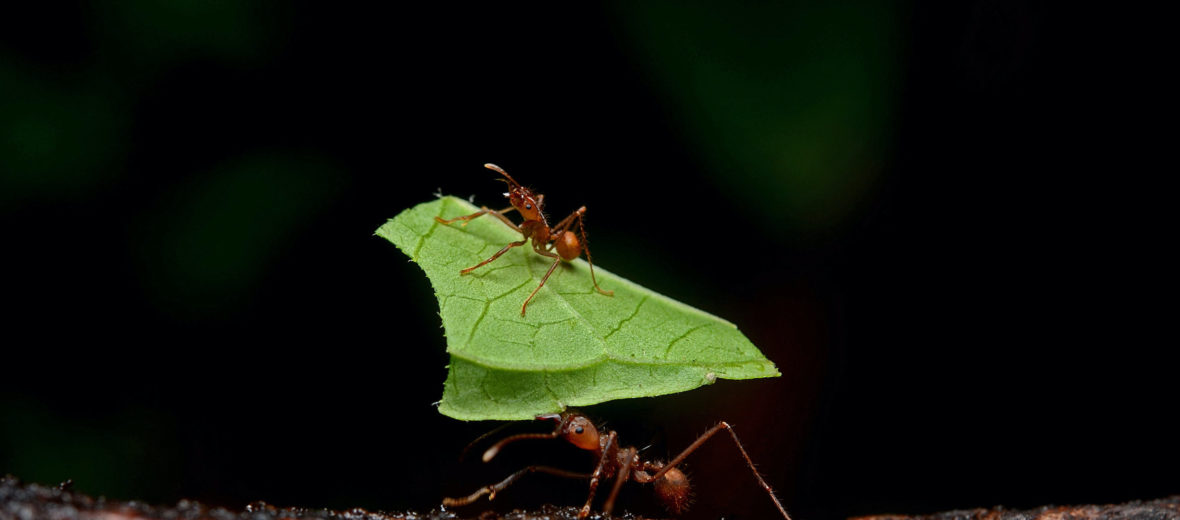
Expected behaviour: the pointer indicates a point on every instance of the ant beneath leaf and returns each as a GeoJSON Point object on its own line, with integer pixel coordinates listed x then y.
{"type": "Point", "coordinates": [670, 483]}
{"type": "Point", "coordinates": [536, 227]}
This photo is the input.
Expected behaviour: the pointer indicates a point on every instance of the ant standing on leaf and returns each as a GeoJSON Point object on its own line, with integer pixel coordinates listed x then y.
{"type": "Point", "coordinates": [623, 464]}
{"type": "Point", "coordinates": [536, 227]}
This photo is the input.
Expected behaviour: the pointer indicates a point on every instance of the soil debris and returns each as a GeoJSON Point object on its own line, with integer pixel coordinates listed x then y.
{"type": "Point", "coordinates": [22, 501]}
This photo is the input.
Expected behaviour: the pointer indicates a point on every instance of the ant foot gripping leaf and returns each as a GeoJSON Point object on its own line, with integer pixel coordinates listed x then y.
{"type": "Point", "coordinates": [575, 347]}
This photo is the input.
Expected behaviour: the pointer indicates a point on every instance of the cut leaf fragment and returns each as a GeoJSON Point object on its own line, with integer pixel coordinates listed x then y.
{"type": "Point", "coordinates": [575, 347]}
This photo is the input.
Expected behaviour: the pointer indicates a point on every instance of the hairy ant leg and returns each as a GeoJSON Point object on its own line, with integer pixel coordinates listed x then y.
{"type": "Point", "coordinates": [706, 436]}
{"type": "Point", "coordinates": [491, 490]}
{"type": "Point", "coordinates": [495, 256]}
{"type": "Point", "coordinates": [543, 278]}
{"type": "Point", "coordinates": [624, 474]}
{"type": "Point", "coordinates": [586, 247]}
{"type": "Point", "coordinates": [602, 460]}
{"type": "Point", "coordinates": [565, 222]}
{"type": "Point", "coordinates": [483, 210]}
{"type": "Point", "coordinates": [570, 246]}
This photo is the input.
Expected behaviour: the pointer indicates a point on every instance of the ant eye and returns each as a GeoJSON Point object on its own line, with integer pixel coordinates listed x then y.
{"type": "Point", "coordinates": [528, 206]}
{"type": "Point", "coordinates": [579, 430]}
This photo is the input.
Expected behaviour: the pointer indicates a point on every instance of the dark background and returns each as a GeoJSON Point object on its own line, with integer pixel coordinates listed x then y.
{"type": "Point", "coordinates": [943, 223]}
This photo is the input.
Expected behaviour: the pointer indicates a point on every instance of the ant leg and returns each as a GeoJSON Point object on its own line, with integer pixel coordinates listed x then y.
{"type": "Point", "coordinates": [482, 211]}
{"type": "Point", "coordinates": [565, 222]}
{"type": "Point", "coordinates": [491, 490]}
{"type": "Point", "coordinates": [586, 246]}
{"type": "Point", "coordinates": [495, 256]}
{"type": "Point", "coordinates": [543, 278]}
{"type": "Point", "coordinates": [606, 453]}
{"type": "Point", "coordinates": [624, 474]}
{"type": "Point", "coordinates": [701, 440]}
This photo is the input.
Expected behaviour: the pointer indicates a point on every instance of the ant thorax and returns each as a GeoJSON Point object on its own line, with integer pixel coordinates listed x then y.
{"type": "Point", "coordinates": [536, 230]}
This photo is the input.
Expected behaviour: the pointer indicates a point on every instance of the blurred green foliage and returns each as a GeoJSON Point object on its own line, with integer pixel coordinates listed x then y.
{"type": "Point", "coordinates": [121, 453]}
{"type": "Point", "coordinates": [63, 130]}
{"type": "Point", "coordinates": [143, 30]}
{"type": "Point", "coordinates": [789, 105]}
{"type": "Point", "coordinates": [58, 138]}
{"type": "Point", "coordinates": [206, 244]}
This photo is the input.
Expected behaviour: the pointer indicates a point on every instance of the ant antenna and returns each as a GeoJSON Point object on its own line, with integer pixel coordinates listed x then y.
{"type": "Point", "coordinates": [561, 419]}
{"type": "Point", "coordinates": [495, 168]}
{"type": "Point", "coordinates": [495, 449]}
{"type": "Point", "coordinates": [466, 449]}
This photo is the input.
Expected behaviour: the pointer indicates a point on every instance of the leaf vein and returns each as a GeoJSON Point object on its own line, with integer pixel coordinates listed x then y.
{"type": "Point", "coordinates": [549, 390]}
{"type": "Point", "coordinates": [509, 291]}
{"type": "Point", "coordinates": [627, 319]}
{"type": "Point", "coordinates": [475, 326]}
{"type": "Point", "coordinates": [429, 233]}
{"type": "Point", "coordinates": [681, 337]}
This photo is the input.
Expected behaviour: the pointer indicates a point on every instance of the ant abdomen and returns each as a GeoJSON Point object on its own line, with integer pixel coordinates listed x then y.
{"type": "Point", "coordinates": [674, 491]}
{"type": "Point", "coordinates": [568, 245]}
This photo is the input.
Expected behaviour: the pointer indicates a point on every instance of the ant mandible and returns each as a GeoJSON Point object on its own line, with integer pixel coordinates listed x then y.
{"type": "Point", "coordinates": [623, 464]}
{"type": "Point", "coordinates": [536, 227]}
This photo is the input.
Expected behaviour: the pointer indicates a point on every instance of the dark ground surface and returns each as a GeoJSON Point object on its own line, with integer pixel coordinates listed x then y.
{"type": "Point", "coordinates": [30, 501]}
{"type": "Point", "coordinates": [1165, 508]}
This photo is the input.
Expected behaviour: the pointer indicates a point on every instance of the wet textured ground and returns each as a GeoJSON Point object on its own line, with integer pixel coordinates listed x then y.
{"type": "Point", "coordinates": [20, 501]}
{"type": "Point", "coordinates": [1163, 509]}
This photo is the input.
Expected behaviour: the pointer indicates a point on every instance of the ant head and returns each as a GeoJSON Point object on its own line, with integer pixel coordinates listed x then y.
{"type": "Point", "coordinates": [581, 433]}
{"type": "Point", "coordinates": [576, 429]}
{"type": "Point", "coordinates": [521, 198]}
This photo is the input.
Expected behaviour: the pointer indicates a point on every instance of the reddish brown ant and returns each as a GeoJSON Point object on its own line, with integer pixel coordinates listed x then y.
{"type": "Point", "coordinates": [623, 464]}
{"type": "Point", "coordinates": [535, 226]}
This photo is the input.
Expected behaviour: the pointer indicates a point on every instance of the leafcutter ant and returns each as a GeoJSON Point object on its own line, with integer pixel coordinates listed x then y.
{"type": "Point", "coordinates": [622, 464]}
{"type": "Point", "coordinates": [545, 239]}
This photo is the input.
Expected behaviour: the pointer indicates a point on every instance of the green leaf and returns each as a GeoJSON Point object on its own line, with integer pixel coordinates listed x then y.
{"type": "Point", "coordinates": [575, 347]}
